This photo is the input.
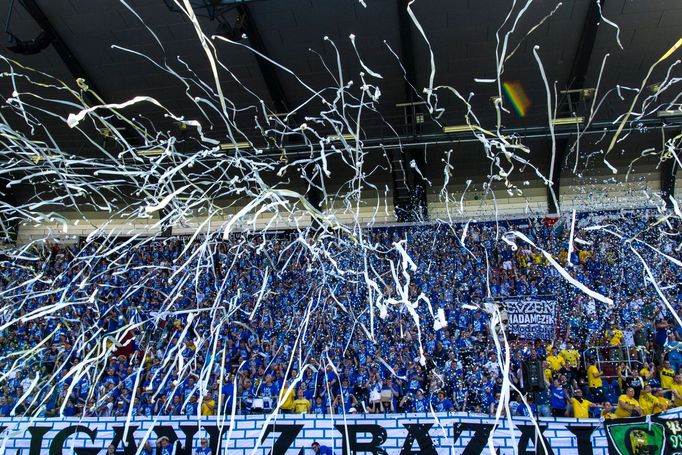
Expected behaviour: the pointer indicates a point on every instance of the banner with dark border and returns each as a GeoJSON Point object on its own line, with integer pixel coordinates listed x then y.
{"type": "Point", "coordinates": [531, 317]}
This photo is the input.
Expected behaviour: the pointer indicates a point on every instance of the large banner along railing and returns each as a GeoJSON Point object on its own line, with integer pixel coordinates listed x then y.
{"type": "Point", "coordinates": [378, 434]}
{"type": "Point", "coordinates": [531, 317]}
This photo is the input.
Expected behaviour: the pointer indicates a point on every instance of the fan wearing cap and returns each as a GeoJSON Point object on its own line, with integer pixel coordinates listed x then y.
{"type": "Point", "coordinates": [321, 450]}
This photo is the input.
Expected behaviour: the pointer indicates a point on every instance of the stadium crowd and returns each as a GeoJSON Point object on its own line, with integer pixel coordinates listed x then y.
{"type": "Point", "coordinates": [174, 327]}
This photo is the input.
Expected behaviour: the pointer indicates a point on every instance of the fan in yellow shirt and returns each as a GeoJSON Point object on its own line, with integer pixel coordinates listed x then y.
{"type": "Point", "coordinates": [627, 404]}
{"type": "Point", "coordinates": [676, 387]}
{"type": "Point", "coordinates": [286, 397]}
{"type": "Point", "coordinates": [523, 260]}
{"type": "Point", "coordinates": [547, 371]}
{"type": "Point", "coordinates": [563, 255]}
{"type": "Point", "coordinates": [663, 403]}
{"type": "Point", "coordinates": [616, 337]}
{"type": "Point", "coordinates": [570, 356]}
{"type": "Point", "coordinates": [583, 255]}
{"type": "Point", "coordinates": [646, 373]}
{"type": "Point", "coordinates": [647, 401]}
{"type": "Point", "coordinates": [666, 376]}
{"type": "Point", "coordinates": [537, 258]}
{"type": "Point", "coordinates": [594, 380]}
{"type": "Point", "coordinates": [607, 412]}
{"type": "Point", "coordinates": [555, 361]}
{"type": "Point", "coordinates": [208, 405]}
{"type": "Point", "coordinates": [581, 406]}
{"type": "Point", "coordinates": [301, 404]}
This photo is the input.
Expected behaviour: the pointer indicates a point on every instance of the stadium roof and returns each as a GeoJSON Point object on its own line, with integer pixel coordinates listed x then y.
{"type": "Point", "coordinates": [112, 46]}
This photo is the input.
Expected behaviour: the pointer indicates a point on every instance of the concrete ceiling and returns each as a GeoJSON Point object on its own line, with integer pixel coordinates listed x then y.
{"type": "Point", "coordinates": [304, 36]}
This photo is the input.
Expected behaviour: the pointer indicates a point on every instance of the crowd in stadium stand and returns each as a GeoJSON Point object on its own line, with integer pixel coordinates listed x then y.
{"type": "Point", "coordinates": [255, 323]}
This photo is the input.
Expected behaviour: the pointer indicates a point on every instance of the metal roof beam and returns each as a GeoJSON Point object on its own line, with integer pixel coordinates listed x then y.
{"type": "Point", "coordinates": [72, 63]}
{"type": "Point", "coordinates": [668, 177]}
{"type": "Point", "coordinates": [275, 89]}
{"type": "Point", "coordinates": [409, 188]}
{"type": "Point", "coordinates": [70, 60]}
{"type": "Point", "coordinates": [576, 80]}
{"type": "Point", "coordinates": [272, 82]}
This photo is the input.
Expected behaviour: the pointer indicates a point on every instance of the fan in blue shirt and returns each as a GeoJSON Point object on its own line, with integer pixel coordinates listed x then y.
{"type": "Point", "coordinates": [203, 449]}
{"type": "Point", "coordinates": [443, 404]}
{"type": "Point", "coordinates": [319, 408]}
{"type": "Point", "coordinates": [321, 450]}
{"type": "Point", "coordinates": [557, 399]}
{"type": "Point", "coordinates": [421, 404]}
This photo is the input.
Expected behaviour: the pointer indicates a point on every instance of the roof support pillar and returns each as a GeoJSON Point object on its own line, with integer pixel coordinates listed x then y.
{"type": "Point", "coordinates": [576, 81]}
{"type": "Point", "coordinates": [409, 188]}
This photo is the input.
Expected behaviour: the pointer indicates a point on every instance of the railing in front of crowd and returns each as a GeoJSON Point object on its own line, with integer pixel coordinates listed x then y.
{"type": "Point", "coordinates": [609, 357]}
{"type": "Point", "coordinates": [258, 404]}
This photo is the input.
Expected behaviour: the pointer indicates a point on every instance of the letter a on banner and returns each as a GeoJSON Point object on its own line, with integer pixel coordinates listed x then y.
{"type": "Point", "coordinates": [420, 433]}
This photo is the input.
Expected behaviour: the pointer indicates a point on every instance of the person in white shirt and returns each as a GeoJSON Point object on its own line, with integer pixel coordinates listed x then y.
{"type": "Point", "coordinates": [492, 365]}
{"type": "Point", "coordinates": [26, 382]}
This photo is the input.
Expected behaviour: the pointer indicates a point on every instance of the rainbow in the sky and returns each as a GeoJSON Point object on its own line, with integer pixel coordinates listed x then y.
{"type": "Point", "coordinates": [517, 96]}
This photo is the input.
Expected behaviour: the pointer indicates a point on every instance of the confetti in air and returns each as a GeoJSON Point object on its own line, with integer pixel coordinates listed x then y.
{"type": "Point", "coordinates": [375, 242]}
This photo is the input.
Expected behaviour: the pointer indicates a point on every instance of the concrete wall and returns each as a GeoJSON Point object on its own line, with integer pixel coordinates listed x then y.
{"type": "Point", "coordinates": [68, 226]}
{"type": "Point", "coordinates": [450, 434]}
{"type": "Point", "coordinates": [678, 185]}
{"type": "Point", "coordinates": [638, 191]}
{"type": "Point", "coordinates": [604, 192]}
{"type": "Point", "coordinates": [482, 205]}
{"type": "Point", "coordinates": [608, 192]}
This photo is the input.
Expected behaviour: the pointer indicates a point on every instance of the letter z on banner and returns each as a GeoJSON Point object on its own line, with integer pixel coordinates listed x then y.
{"type": "Point", "coordinates": [531, 317]}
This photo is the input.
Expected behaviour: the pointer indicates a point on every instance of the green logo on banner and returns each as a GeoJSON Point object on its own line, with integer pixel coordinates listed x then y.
{"type": "Point", "coordinates": [637, 438]}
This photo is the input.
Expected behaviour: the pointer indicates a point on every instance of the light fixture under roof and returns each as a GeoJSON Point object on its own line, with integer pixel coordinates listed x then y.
{"type": "Point", "coordinates": [568, 121]}
{"type": "Point", "coordinates": [415, 103]}
{"type": "Point", "coordinates": [40, 158]}
{"type": "Point", "coordinates": [235, 145]}
{"type": "Point", "coordinates": [669, 113]}
{"type": "Point", "coordinates": [458, 129]}
{"type": "Point", "coordinates": [108, 132]}
{"type": "Point", "coordinates": [584, 92]}
{"type": "Point", "coordinates": [338, 137]}
{"type": "Point", "coordinates": [151, 152]}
